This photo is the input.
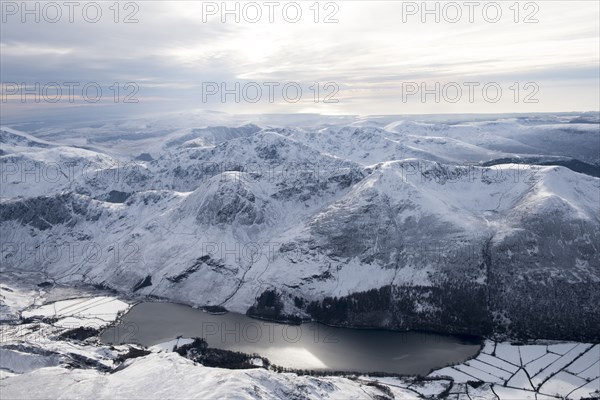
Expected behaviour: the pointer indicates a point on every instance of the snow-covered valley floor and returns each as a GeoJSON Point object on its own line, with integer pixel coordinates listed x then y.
{"type": "Point", "coordinates": [37, 361]}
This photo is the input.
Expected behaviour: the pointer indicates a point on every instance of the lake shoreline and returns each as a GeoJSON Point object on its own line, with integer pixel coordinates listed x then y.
{"type": "Point", "coordinates": [307, 346]}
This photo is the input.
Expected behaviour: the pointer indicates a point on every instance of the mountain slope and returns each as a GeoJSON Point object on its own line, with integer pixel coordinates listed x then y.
{"type": "Point", "coordinates": [339, 224]}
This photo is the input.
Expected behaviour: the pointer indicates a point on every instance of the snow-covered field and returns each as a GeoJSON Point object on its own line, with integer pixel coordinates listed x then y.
{"type": "Point", "coordinates": [562, 370]}
{"type": "Point", "coordinates": [36, 363]}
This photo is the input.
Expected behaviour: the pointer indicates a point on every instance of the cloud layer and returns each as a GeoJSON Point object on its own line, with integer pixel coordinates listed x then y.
{"type": "Point", "coordinates": [372, 55]}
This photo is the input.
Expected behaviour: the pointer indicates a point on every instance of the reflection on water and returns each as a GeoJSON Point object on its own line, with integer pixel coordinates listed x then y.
{"type": "Point", "coordinates": [306, 346]}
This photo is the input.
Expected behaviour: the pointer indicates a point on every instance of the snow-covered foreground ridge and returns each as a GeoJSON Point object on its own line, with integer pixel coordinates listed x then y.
{"type": "Point", "coordinates": [482, 226]}
{"type": "Point", "coordinates": [38, 361]}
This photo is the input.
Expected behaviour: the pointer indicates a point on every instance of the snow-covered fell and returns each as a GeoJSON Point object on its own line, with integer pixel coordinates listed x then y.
{"type": "Point", "coordinates": [458, 225]}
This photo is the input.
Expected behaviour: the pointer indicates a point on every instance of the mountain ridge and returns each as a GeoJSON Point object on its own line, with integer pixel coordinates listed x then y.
{"type": "Point", "coordinates": [397, 243]}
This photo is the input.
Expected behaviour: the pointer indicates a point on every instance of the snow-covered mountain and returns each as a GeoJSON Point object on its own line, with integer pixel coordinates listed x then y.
{"type": "Point", "coordinates": [486, 226]}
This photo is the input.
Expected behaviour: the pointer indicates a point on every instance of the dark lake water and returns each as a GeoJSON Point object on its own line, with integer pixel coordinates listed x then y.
{"type": "Point", "coordinates": [306, 346]}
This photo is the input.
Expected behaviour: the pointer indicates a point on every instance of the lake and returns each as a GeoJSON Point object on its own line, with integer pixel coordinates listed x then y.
{"type": "Point", "coordinates": [307, 346]}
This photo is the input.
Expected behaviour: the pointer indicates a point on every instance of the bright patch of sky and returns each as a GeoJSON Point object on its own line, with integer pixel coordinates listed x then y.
{"type": "Point", "coordinates": [380, 57]}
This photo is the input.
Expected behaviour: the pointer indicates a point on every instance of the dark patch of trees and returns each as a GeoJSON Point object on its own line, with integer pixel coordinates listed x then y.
{"type": "Point", "coordinates": [199, 351]}
{"type": "Point", "coordinates": [133, 353]}
{"type": "Point", "coordinates": [299, 302]}
{"type": "Point", "coordinates": [340, 310]}
{"type": "Point", "coordinates": [267, 305]}
{"type": "Point", "coordinates": [458, 307]}
{"type": "Point", "coordinates": [383, 388]}
{"type": "Point", "coordinates": [80, 333]}
{"type": "Point", "coordinates": [270, 307]}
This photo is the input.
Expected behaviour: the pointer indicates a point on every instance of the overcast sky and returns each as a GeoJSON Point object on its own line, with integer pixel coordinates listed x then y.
{"type": "Point", "coordinates": [374, 56]}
